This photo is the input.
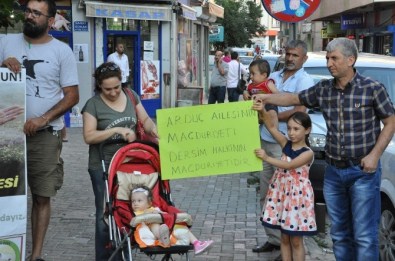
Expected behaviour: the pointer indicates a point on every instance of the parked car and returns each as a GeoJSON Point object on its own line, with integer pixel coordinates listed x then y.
{"type": "Point", "coordinates": [272, 59]}
{"type": "Point", "coordinates": [266, 51]}
{"type": "Point", "coordinates": [243, 51]}
{"type": "Point", "coordinates": [382, 69]}
{"type": "Point", "coordinates": [246, 60]}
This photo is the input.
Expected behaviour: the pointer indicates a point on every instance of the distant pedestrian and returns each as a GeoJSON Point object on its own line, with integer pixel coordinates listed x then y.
{"type": "Point", "coordinates": [257, 50]}
{"type": "Point", "coordinates": [289, 204]}
{"type": "Point", "coordinates": [217, 89]}
{"type": "Point", "coordinates": [354, 107]}
{"type": "Point", "coordinates": [274, 49]}
{"type": "Point", "coordinates": [121, 59]}
{"type": "Point", "coordinates": [226, 57]}
{"type": "Point", "coordinates": [235, 71]}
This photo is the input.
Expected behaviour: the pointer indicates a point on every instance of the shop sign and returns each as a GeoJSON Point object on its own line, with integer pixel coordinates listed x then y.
{"type": "Point", "coordinates": [188, 12]}
{"type": "Point", "coordinates": [324, 34]}
{"type": "Point", "coordinates": [130, 14]}
{"type": "Point", "coordinates": [80, 26]}
{"type": "Point", "coordinates": [137, 12]}
{"type": "Point", "coordinates": [216, 34]}
{"type": "Point", "coordinates": [290, 10]}
{"type": "Point", "coordinates": [351, 21]}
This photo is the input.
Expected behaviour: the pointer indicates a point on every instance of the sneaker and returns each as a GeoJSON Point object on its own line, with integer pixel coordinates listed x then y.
{"type": "Point", "coordinates": [200, 246]}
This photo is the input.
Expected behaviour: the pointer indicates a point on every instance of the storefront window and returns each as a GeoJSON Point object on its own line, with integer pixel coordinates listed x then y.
{"type": "Point", "coordinates": [121, 24]}
{"type": "Point", "coordinates": [150, 62]}
{"type": "Point", "coordinates": [185, 60]}
{"type": "Point", "coordinates": [196, 63]}
{"type": "Point", "coordinates": [387, 45]}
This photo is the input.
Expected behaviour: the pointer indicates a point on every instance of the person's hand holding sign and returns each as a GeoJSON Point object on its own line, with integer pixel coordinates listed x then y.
{"type": "Point", "coordinates": [12, 63]}
{"type": "Point", "coordinates": [257, 104]}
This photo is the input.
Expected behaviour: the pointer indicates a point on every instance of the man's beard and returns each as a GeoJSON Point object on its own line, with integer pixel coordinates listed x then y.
{"type": "Point", "coordinates": [32, 30]}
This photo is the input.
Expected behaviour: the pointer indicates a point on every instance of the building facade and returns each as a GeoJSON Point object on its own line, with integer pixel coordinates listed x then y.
{"type": "Point", "coordinates": [371, 23]}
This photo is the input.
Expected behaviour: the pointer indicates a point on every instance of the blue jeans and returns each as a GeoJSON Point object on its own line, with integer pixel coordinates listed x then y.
{"type": "Point", "coordinates": [217, 94]}
{"type": "Point", "coordinates": [353, 201]}
{"type": "Point", "coordinates": [102, 237]}
{"type": "Point", "coordinates": [233, 95]}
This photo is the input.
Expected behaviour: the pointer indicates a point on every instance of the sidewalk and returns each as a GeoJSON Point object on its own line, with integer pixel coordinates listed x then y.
{"type": "Point", "coordinates": [224, 208]}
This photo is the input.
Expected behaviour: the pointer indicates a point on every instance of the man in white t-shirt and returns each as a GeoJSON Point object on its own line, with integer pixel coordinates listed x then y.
{"type": "Point", "coordinates": [121, 59]}
{"type": "Point", "coordinates": [51, 90]}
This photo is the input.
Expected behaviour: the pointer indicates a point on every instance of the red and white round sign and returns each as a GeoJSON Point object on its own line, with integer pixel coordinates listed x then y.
{"type": "Point", "coordinates": [291, 11]}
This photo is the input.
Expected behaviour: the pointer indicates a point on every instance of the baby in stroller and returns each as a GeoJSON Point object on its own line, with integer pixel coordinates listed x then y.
{"type": "Point", "coordinates": [159, 234]}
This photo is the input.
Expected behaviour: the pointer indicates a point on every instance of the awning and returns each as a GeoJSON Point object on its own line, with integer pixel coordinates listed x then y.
{"type": "Point", "coordinates": [188, 12]}
{"type": "Point", "coordinates": [216, 10]}
{"type": "Point", "coordinates": [127, 11]}
{"type": "Point", "coordinates": [271, 33]}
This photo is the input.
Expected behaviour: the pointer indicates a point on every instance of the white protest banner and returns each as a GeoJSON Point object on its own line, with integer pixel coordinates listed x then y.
{"type": "Point", "coordinates": [13, 198]}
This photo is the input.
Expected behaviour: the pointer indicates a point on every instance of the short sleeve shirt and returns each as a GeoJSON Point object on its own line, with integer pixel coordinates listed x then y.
{"type": "Point", "coordinates": [49, 67]}
{"type": "Point", "coordinates": [298, 82]}
{"type": "Point", "coordinates": [217, 79]}
{"type": "Point", "coordinates": [108, 118]}
{"type": "Point", "coordinates": [122, 62]}
{"type": "Point", "coordinates": [352, 115]}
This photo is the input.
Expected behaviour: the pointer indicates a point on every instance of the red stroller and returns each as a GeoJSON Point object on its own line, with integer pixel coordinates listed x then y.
{"type": "Point", "coordinates": [138, 163]}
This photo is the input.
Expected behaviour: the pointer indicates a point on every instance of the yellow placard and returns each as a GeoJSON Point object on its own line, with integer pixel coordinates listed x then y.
{"type": "Point", "coordinates": [208, 140]}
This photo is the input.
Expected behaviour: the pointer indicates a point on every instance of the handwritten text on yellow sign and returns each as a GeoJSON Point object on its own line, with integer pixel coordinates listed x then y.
{"type": "Point", "coordinates": [208, 140]}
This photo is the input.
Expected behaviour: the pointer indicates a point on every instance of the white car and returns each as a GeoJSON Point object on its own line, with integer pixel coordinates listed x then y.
{"type": "Point", "coordinates": [382, 69]}
{"type": "Point", "coordinates": [246, 60]}
{"type": "Point", "coordinates": [263, 52]}
{"type": "Point", "coordinates": [272, 59]}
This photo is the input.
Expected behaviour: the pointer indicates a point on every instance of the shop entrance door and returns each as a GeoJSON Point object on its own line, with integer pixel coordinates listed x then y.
{"type": "Point", "coordinates": [130, 43]}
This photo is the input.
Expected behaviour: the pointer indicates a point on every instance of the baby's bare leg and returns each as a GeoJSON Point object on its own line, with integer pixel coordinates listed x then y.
{"type": "Point", "coordinates": [161, 232]}
{"type": "Point", "coordinates": [192, 237]}
{"type": "Point", "coordinates": [155, 229]}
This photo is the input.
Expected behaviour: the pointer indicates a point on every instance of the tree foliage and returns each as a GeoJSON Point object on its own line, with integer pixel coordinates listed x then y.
{"type": "Point", "coordinates": [241, 22]}
{"type": "Point", "coordinates": [10, 13]}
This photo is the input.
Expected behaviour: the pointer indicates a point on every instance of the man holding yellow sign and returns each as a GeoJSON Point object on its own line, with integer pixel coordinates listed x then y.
{"type": "Point", "coordinates": [208, 140]}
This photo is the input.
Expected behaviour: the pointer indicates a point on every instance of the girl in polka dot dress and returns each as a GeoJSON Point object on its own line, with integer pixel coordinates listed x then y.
{"type": "Point", "coordinates": [289, 204]}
